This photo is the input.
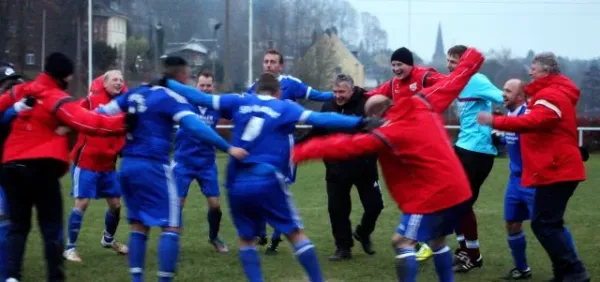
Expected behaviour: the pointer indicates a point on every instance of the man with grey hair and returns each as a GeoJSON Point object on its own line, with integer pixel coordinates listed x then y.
{"type": "Point", "coordinates": [340, 176]}
{"type": "Point", "coordinates": [552, 162]}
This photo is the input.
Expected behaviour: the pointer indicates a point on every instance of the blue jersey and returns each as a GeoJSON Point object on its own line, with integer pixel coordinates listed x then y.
{"type": "Point", "coordinates": [513, 145]}
{"type": "Point", "coordinates": [294, 89]}
{"type": "Point", "coordinates": [477, 96]}
{"type": "Point", "coordinates": [157, 110]}
{"type": "Point", "coordinates": [191, 151]}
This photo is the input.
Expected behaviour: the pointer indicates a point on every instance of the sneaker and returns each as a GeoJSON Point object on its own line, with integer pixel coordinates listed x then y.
{"type": "Point", "coordinates": [120, 248]}
{"type": "Point", "coordinates": [71, 255]}
{"type": "Point", "coordinates": [341, 254]}
{"type": "Point", "coordinates": [262, 240]}
{"type": "Point", "coordinates": [272, 249]}
{"type": "Point", "coordinates": [516, 274]}
{"type": "Point", "coordinates": [459, 255]}
{"type": "Point", "coordinates": [424, 253]}
{"type": "Point", "coordinates": [219, 245]}
{"type": "Point", "coordinates": [366, 243]}
{"type": "Point", "coordinates": [466, 264]}
{"type": "Point", "coordinates": [12, 280]}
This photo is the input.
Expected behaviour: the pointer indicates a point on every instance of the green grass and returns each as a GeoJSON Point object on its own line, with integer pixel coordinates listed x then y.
{"type": "Point", "coordinates": [199, 262]}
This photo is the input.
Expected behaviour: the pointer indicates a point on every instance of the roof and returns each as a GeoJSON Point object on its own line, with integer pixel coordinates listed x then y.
{"type": "Point", "coordinates": [103, 10]}
{"type": "Point", "coordinates": [192, 45]}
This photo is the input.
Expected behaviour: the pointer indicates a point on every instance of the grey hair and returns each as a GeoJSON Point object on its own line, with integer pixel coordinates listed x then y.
{"type": "Point", "coordinates": [548, 62]}
{"type": "Point", "coordinates": [344, 78]}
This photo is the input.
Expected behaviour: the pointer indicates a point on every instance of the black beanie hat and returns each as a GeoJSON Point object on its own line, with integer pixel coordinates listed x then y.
{"type": "Point", "coordinates": [403, 55]}
{"type": "Point", "coordinates": [58, 66]}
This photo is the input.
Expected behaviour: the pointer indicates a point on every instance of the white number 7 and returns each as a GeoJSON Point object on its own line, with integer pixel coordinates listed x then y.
{"type": "Point", "coordinates": [253, 129]}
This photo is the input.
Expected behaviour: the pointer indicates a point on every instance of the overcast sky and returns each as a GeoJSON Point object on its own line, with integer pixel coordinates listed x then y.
{"type": "Point", "coordinates": [567, 27]}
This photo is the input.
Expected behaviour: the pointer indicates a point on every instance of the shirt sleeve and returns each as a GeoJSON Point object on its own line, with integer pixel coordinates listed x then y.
{"type": "Point", "coordinates": [193, 95]}
{"type": "Point", "coordinates": [340, 147]}
{"type": "Point", "coordinates": [384, 89]}
{"type": "Point", "coordinates": [303, 91]}
{"type": "Point", "coordinates": [227, 103]}
{"type": "Point", "coordinates": [175, 105]}
{"type": "Point", "coordinates": [89, 122]}
{"type": "Point", "coordinates": [8, 115]}
{"type": "Point", "coordinates": [544, 115]}
{"type": "Point", "coordinates": [432, 77]}
{"type": "Point", "coordinates": [194, 125]}
{"type": "Point", "coordinates": [486, 90]}
{"type": "Point", "coordinates": [115, 106]}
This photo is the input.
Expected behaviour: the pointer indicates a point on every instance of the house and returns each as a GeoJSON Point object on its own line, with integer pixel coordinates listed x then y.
{"type": "Point", "coordinates": [327, 57]}
{"type": "Point", "coordinates": [192, 51]}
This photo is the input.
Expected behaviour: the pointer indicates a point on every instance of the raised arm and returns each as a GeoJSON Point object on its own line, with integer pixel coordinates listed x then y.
{"type": "Point", "coordinates": [543, 116]}
{"type": "Point", "coordinates": [486, 90]}
{"type": "Point", "coordinates": [441, 94]}
{"type": "Point", "coordinates": [384, 89]}
{"type": "Point", "coordinates": [71, 114]}
{"type": "Point", "coordinates": [340, 147]}
{"type": "Point", "coordinates": [193, 95]}
{"type": "Point", "coordinates": [194, 125]}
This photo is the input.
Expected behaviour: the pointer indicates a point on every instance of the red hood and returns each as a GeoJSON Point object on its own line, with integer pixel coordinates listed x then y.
{"type": "Point", "coordinates": [97, 86]}
{"type": "Point", "coordinates": [557, 82]}
{"type": "Point", "coordinates": [41, 83]}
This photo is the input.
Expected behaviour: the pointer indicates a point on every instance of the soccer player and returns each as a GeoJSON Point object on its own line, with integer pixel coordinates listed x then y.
{"type": "Point", "coordinates": [94, 172]}
{"type": "Point", "coordinates": [257, 189]}
{"type": "Point", "coordinates": [518, 201]}
{"type": "Point", "coordinates": [195, 159]}
{"type": "Point", "coordinates": [476, 152]}
{"type": "Point", "coordinates": [291, 89]}
{"type": "Point", "coordinates": [146, 175]}
{"type": "Point", "coordinates": [423, 174]}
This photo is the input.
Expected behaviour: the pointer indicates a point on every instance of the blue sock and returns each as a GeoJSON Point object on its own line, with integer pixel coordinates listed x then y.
{"type": "Point", "coordinates": [306, 254]}
{"type": "Point", "coordinates": [75, 220]}
{"type": "Point", "coordinates": [111, 221]}
{"type": "Point", "coordinates": [251, 264]}
{"type": "Point", "coordinates": [168, 252]}
{"type": "Point", "coordinates": [3, 232]}
{"type": "Point", "coordinates": [214, 223]}
{"type": "Point", "coordinates": [442, 258]}
{"type": "Point", "coordinates": [518, 245]}
{"type": "Point", "coordinates": [137, 255]}
{"type": "Point", "coordinates": [406, 265]}
{"type": "Point", "coordinates": [276, 235]}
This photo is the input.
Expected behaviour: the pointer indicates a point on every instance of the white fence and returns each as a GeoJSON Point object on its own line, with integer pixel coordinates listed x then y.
{"type": "Point", "coordinates": [579, 129]}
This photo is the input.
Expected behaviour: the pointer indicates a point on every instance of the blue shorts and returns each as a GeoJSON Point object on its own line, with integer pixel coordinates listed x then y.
{"type": "Point", "coordinates": [518, 201]}
{"type": "Point", "coordinates": [207, 178]}
{"type": "Point", "coordinates": [150, 192]}
{"type": "Point", "coordinates": [89, 184]}
{"type": "Point", "coordinates": [427, 227]}
{"type": "Point", "coordinates": [3, 206]}
{"type": "Point", "coordinates": [254, 203]}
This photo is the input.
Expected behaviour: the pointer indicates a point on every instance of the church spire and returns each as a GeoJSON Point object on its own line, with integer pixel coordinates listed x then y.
{"type": "Point", "coordinates": [440, 52]}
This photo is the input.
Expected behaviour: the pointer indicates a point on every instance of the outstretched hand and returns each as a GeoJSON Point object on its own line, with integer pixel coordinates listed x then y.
{"type": "Point", "coordinates": [237, 153]}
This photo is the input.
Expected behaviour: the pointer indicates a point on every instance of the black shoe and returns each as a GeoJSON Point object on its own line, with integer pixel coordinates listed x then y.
{"type": "Point", "coordinates": [272, 249]}
{"type": "Point", "coordinates": [467, 264]}
{"type": "Point", "coordinates": [366, 243]}
{"type": "Point", "coordinates": [459, 255]}
{"type": "Point", "coordinates": [516, 274]}
{"type": "Point", "coordinates": [262, 240]}
{"type": "Point", "coordinates": [341, 254]}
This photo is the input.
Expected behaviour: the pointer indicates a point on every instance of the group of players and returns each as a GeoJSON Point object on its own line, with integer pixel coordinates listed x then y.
{"type": "Point", "coordinates": [404, 129]}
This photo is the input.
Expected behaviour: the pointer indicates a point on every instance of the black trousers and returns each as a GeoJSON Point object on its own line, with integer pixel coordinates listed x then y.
{"type": "Point", "coordinates": [477, 166]}
{"type": "Point", "coordinates": [340, 206]}
{"type": "Point", "coordinates": [548, 226]}
{"type": "Point", "coordinates": [28, 184]}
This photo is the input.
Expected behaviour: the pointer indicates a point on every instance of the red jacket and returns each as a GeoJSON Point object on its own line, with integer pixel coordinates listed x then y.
{"type": "Point", "coordinates": [421, 170]}
{"type": "Point", "coordinates": [548, 132]}
{"type": "Point", "coordinates": [419, 78]}
{"type": "Point", "coordinates": [35, 134]}
{"type": "Point", "coordinates": [97, 153]}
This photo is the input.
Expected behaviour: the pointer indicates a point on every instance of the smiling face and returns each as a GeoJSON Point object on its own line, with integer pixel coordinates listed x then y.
{"type": "Point", "coordinates": [513, 94]}
{"type": "Point", "coordinates": [113, 82]}
{"type": "Point", "coordinates": [342, 92]}
{"type": "Point", "coordinates": [205, 84]}
{"type": "Point", "coordinates": [401, 70]}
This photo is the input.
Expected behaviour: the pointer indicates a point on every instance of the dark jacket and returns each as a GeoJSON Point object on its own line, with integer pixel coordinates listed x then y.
{"type": "Point", "coordinates": [363, 168]}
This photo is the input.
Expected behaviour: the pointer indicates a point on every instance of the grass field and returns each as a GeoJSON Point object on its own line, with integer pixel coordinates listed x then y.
{"type": "Point", "coordinates": [199, 262]}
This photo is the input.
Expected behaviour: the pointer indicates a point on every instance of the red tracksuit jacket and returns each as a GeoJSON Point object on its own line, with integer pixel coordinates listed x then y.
{"type": "Point", "coordinates": [419, 78]}
{"type": "Point", "coordinates": [34, 133]}
{"type": "Point", "coordinates": [421, 170]}
{"type": "Point", "coordinates": [548, 132]}
{"type": "Point", "coordinates": [97, 153]}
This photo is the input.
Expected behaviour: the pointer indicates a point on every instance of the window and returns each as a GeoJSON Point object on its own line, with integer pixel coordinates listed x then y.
{"type": "Point", "coordinates": [30, 59]}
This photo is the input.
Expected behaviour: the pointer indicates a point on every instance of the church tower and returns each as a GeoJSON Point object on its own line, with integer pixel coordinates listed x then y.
{"type": "Point", "coordinates": [439, 56]}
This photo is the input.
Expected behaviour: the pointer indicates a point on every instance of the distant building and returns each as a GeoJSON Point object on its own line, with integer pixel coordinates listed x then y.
{"type": "Point", "coordinates": [192, 51]}
{"type": "Point", "coordinates": [110, 25]}
{"type": "Point", "coordinates": [439, 56]}
{"type": "Point", "coordinates": [329, 56]}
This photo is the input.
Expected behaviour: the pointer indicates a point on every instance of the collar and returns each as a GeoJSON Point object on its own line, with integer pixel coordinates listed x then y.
{"type": "Point", "coordinates": [516, 111]}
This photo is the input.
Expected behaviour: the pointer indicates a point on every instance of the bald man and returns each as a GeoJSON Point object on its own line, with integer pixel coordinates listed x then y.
{"type": "Point", "coordinates": [518, 201]}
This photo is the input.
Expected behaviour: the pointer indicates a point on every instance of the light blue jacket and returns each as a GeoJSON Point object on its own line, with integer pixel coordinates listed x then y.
{"type": "Point", "coordinates": [477, 96]}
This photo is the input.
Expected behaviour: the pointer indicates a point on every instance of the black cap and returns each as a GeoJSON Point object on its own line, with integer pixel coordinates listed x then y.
{"type": "Point", "coordinates": [403, 55]}
{"type": "Point", "coordinates": [58, 66]}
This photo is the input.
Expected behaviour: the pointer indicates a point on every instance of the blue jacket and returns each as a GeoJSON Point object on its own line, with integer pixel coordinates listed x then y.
{"type": "Point", "coordinates": [477, 96]}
